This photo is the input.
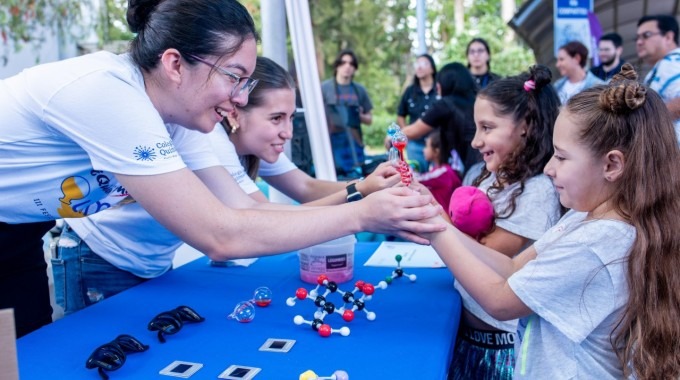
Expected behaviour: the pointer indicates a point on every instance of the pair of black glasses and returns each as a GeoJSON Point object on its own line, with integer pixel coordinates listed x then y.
{"type": "Point", "coordinates": [170, 322]}
{"type": "Point", "coordinates": [112, 355]}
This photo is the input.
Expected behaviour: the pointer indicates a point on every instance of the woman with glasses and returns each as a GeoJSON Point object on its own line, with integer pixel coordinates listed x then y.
{"type": "Point", "coordinates": [106, 253]}
{"type": "Point", "coordinates": [479, 62]}
{"type": "Point", "coordinates": [80, 135]}
{"type": "Point", "coordinates": [416, 100]}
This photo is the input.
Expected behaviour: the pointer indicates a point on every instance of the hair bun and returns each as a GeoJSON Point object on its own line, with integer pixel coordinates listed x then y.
{"type": "Point", "coordinates": [138, 13]}
{"type": "Point", "coordinates": [624, 93]}
{"type": "Point", "coordinates": [541, 75]}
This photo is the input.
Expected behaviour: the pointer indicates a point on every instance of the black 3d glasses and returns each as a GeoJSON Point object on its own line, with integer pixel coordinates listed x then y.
{"type": "Point", "coordinates": [112, 355]}
{"type": "Point", "coordinates": [170, 322]}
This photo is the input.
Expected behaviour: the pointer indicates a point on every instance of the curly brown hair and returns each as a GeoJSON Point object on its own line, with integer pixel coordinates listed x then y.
{"type": "Point", "coordinates": [536, 108]}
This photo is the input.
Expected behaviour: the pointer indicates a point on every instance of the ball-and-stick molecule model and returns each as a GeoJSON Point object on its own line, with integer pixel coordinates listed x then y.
{"type": "Point", "coordinates": [244, 311]}
{"type": "Point", "coordinates": [351, 304]}
{"type": "Point", "coordinates": [399, 272]}
{"type": "Point", "coordinates": [337, 375]}
{"type": "Point", "coordinates": [396, 153]}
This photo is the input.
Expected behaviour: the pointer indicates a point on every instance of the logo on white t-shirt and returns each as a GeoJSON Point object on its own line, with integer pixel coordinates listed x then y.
{"type": "Point", "coordinates": [144, 153]}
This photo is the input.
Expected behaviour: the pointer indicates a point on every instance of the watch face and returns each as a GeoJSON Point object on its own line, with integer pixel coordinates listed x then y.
{"type": "Point", "coordinates": [352, 193]}
{"type": "Point", "coordinates": [354, 197]}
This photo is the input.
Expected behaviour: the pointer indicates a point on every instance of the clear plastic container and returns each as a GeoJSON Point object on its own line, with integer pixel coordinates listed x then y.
{"type": "Point", "coordinates": [333, 258]}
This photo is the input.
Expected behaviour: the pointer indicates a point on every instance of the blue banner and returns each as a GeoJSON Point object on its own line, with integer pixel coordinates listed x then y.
{"type": "Point", "coordinates": [571, 22]}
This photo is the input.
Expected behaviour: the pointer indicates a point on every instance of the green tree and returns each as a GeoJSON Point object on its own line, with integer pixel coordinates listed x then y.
{"type": "Point", "coordinates": [27, 22]}
{"type": "Point", "coordinates": [112, 25]}
{"type": "Point", "coordinates": [483, 19]}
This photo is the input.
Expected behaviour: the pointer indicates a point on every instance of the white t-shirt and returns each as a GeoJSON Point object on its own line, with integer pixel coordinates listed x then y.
{"type": "Point", "coordinates": [148, 252]}
{"type": "Point", "coordinates": [66, 127]}
{"type": "Point", "coordinates": [577, 289]}
{"type": "Point", "coordinates": [664, 78]}
{"type": "Point", "coordinates": [224, 148]}
{"type": "Point", "coordinates": [281, 166]}
{"type": "Point", "coordinates": [536, 210]}
{"type": "Point", "coordinates": [570, 89]}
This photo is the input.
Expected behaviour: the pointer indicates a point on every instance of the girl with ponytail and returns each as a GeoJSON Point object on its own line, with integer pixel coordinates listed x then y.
{"type": "Point", "coordinates": [597, 295]}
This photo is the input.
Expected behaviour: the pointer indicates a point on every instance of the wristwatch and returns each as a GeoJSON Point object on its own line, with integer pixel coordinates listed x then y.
{"type": "Point", "coordinates": [352, 193]}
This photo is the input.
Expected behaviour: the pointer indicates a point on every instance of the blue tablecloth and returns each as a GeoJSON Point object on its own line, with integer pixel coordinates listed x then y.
{"type": "Point", "coordinates": [411, 338]}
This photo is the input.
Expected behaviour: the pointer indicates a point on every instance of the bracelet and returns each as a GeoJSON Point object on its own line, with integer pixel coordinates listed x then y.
{"type": "Point", "coordinates": [352, 193]}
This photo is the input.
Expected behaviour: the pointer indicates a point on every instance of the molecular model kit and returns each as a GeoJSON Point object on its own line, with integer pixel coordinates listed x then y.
{"type": "Point", "coordinates": [351, 302]}
{"type": "Point", "coordinates": [396, 153]}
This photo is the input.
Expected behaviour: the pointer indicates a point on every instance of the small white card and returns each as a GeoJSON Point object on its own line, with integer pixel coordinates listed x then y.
{"type": "Point", "coordinates": [179, 368]}
{"type": "Point", "coordinates": [412, 256]}
{"type": "Point", "coordinates": [239, 372]}
{"type": "Point", "coordinates": [277, 345]}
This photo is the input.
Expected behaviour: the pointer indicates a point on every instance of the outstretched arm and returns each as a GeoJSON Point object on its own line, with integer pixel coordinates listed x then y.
{"type": "Point", "coordinates": [417, 130]}
{"type": "Point", "coordinates": [483, 272]}
{"type": "Point", "coordinates": [212, 224]}
{"type": "Point", "coordinates": [314, 192]}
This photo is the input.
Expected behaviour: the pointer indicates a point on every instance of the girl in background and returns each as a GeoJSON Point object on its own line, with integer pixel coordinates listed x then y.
{"type": "Point", "coordinates": [441, 179]}
{"type": "Point", "coordinates": [597, 294]}
{"type": "Point", "coordinates": [514, 117]}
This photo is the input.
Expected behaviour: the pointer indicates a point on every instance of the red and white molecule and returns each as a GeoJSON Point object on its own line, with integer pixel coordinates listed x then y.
{"type": "Point", "coordinates": [351, 304]}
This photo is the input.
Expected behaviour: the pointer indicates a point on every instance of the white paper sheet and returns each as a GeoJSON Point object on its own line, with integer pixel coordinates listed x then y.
{"type": "Point", "coordinates": [413, 256]}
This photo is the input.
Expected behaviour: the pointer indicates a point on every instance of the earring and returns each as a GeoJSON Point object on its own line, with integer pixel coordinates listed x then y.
{"type": "Point", "coordinates": [233, 124]}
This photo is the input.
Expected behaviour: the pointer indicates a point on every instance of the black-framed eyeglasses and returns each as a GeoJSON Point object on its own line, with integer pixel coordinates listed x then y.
{"type": "Point", "coordinates": [241, 84]}
{"type": "Point", "coordinates": [170, 322]}
{"type": "Point", "coordinates": [647, 35]}
{"type": "Point", "coordinates": [112, 355]}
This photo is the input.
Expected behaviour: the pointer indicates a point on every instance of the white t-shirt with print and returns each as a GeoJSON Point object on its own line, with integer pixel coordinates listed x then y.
{"type": "Point", "coordinates": [577, 288]}
{"type": "Point", "coordinates": [66, 127]}
{"type": "Point", "coordinates": [223, 147]}
{"type": "Point", "coordinates": [148, 252]}
{"type": "Point", "coordinates": [664, 78]}
{"type": "Point", "coordinates": [536, 210]}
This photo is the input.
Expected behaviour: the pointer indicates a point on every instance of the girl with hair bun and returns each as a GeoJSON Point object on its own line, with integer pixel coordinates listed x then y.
{"type": "Point", "coordinates": [514, 119]}
{"type": "Point", "coordinates": [597, 295]}
{"type": "Point", "coordinates": [79, 135]}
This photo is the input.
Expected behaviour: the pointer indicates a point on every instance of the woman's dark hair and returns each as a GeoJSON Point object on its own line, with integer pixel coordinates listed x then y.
{"type": "Point", "coordinates": [193, 27]}
{"type": "Point", "coordinates": [338, 60]}
{"type": "Point", "coordinates": [486, 46]}
{"type": "Point", "coordinates": [271, 76]}
{"type": "Point", "coordinates": [435, 140]}
{"type": "Point", "coordinates": [455, 79]}
{"type": "Point", "coordinates": [458, 91]}
{"type": "Point", "coordinates": [534, 105]}
{"type": "Point", "coordinates": [575, 48]}
{"type": "Point", "coordinates": [416, 81]}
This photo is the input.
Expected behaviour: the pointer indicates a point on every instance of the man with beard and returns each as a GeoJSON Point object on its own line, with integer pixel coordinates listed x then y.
{"type": "Point", "coordinates": [609, 50]}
